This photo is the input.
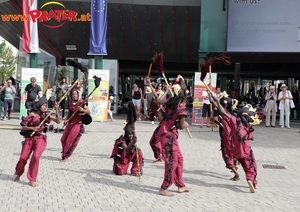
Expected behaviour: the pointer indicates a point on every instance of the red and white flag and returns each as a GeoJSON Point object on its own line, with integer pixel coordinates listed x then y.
{"type": "Point", "coordinates": [30, 32]}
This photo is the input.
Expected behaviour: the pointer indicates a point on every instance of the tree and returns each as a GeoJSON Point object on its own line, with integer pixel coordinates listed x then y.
{"type": "Point", "coordinates": [62, 71]}
{"type": "Point", "coordinates": [7, 63]}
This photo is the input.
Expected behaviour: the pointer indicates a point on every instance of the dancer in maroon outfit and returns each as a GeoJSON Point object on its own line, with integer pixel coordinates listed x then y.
{"type": "Point", "coordinates": [225, 134]}
{"type": "Point", "coordinates": [124, 152]}
{"type": "Point", "coordinates": [74, 128]}
{"type": "Point", "coordinates": [241, 134]}
{"type": "Point", "coordinates": [174, 119]}
{"type": "Point", "coordinates": [37, 143]}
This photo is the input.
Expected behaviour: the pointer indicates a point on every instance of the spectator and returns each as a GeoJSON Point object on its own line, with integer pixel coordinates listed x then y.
{"type": "Point", "coordinates": [137, 97]}
{"type": "Point", "coordinates": [110, 100]}
{"type": "Point", "coordinates": [295, 94]}
{"type": "Point", "coordinates": [46, 84]}
{"type": "Point", "coordinates": [32, 92]}
{"type": "Point", "coordinates": [206, 107]}
{"type": "Point", "coordinates": [271, 106]}
{"type": "Point", "coordinates": [8, 99]}
{"type": "Point", "coordinates": [285, 97]}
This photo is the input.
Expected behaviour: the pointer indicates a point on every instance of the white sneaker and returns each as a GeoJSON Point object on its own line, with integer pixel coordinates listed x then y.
{"type": "Point", "coordinates": [282, 126]}
{"type": "Point", "coordinates": [288, 127]}
{"type": "Point", "coordinates": [4, 118]}
{"type": "Point", "coordinates": [152, 122]}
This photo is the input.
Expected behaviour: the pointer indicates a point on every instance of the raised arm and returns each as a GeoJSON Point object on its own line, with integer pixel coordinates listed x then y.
{"type": "Point", "coordinates": [214, 100]}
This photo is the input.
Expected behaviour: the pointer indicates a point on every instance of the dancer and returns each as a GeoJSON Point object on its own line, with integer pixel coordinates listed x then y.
{"type": "Point", "coordinates": [225, 132]}
{"type": "Point", "coordinates": [74, 128]}
{"type": "Point", "coordinates": [174, 119]}
{"type": "Point", "coordinates": [155, 111]}
{"type": "Point", "coordinates": [241, 134]}
{"type": "Point", "coordinates": [38, 142]}
{"type": "Point", "coordinates": [124, 152]}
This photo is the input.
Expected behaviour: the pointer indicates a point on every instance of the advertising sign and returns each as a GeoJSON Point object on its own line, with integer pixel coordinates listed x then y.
{"type": "Point", "coordinates": [198, 100]}
{"type": "Point", "coordinates": [263, 26]}
{"type": "Point", "coordinates": [98, 101]}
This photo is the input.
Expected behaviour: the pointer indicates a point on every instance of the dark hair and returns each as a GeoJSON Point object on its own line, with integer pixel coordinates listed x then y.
{"type": "Point", "coordinates": [172, 103]}
{"type": "Point", "coordinates": [131, 115]}
{"type": "Point", "coordinates": [72, 91]}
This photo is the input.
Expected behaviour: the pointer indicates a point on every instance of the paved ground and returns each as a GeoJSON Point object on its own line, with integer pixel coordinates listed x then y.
{"type": "Point", "coordinates": [86, 182]}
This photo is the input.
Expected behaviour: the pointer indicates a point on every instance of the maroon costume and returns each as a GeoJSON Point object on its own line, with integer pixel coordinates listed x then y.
{"type": "Point", "coordinates": [73, 131]}
{"type": "Point", "coordinates": [241, 149]}
{"type": "Point", "coordinates": [122, 158]}
{"type": "Point", "coordinates": [36, 144]}
{"type": "Point", "coordinates": [225, 134]}
{"type": "Point", "coordinates": [168, 135]}
{"type": "Point", "coordinates": [155, 142]}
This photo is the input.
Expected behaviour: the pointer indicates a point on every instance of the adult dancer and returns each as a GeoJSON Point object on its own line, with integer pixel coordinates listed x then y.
{"type": "Point", "coordinates": [74, 127]}
{"type": "Point", "coordinates": [37, 143]}
{"type": "Point", "coordinates": [241, 134]}
{"type": "Point", "coordinates": [174, 119]}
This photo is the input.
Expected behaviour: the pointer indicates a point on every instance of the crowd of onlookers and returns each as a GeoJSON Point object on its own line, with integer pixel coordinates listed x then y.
{"type": "Point", "coordinates": [33, 92]}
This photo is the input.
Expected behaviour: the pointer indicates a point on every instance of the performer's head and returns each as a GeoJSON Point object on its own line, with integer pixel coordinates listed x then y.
{"type": "Point", "coordinates": [74, 94]}
{"type": "Point", "coordinates": [227, 102]}
{"type": "Point", "coordinates": [180, 93]}
{"type": "Point", "coordinates": [129, 131]}
{"type": "Point", "coordinates": [41, 105]}
{"type": "Point", "coordinates": [248, 115]}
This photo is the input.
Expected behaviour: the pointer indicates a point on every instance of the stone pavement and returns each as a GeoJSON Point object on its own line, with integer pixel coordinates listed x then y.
{"type": "Point", "coordinates": [86, 182]}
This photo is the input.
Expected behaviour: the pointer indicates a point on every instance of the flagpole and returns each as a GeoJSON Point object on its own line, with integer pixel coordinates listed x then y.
{"type": "Point", "coordinates": [98, 61]}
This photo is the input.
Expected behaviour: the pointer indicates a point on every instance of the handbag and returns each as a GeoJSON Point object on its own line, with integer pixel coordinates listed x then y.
{"type": "Point", "coordinates": [292, 105]}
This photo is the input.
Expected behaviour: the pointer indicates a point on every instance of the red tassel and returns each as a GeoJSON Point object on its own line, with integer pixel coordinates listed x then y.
{"type": "Point", "coordinates": [218, 59]}
{"type": "Point", "coordinates": [159, 62]}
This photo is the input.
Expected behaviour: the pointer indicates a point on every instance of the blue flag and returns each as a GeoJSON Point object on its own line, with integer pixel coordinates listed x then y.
{"type": "Point", "coordinates": [98, 27]}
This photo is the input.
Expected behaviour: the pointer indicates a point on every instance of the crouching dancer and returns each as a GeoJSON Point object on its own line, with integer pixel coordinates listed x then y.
{"type": "Point", "coordinates": [35, 144]}
{"type": "Point", "coordinates": [125, 151]}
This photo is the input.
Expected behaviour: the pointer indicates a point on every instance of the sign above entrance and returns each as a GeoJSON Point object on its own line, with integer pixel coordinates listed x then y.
{"type": "Point", "coordinates": [50, 12]}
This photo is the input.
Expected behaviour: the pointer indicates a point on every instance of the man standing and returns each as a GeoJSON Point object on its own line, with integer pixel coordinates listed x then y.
{"type": "Point", "coordinates": [32, 91]}
{"type": "Point", "coordinates": [8, 99]}
{"type": "Point", "coordinates": [46, 84]}
{"type": "Point", "coordinates": [206, 107]}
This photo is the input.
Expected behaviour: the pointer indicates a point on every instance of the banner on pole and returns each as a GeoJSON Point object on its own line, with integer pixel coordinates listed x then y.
{"type": "Point", "coordinates": [98, 101]}
{"type": "Point", "coordinates": [198, 100]}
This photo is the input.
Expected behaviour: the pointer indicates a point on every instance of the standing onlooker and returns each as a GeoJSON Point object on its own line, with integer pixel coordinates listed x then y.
{"type": "Point", "coordinates": [285, 98]}
{"type": "Point", "coordinates": [147, 99]}
{"type": "Point", "coordinates": [206, 107]}
{"type": "Point", "coordinates": [110, 100]}
{"type": "Point", "coordinates": [32, 91]}
{"type": "Point", "coordinates": [295, 94]}
{"type": "Point", "coordinates": [46, 84]}
{"type": "Point", "coordinates": [271, 106]}
{"type": "Point", "coordinates": [8, 99]}
{"type": "Point", "coordinates": [63, 87]}
{"type": "Point", "coordinates": [137, 97]}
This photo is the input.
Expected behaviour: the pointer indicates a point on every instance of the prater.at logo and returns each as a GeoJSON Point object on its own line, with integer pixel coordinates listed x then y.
{"type": "Point", "coordinates": [53, 17]}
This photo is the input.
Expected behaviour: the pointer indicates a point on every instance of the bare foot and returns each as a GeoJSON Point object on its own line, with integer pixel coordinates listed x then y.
{"type": "Point", "coordinates": [184, 189]}
{"type": "Point", "coordinates": [235, 178]}
{"type": "Point", "coordinates": [165, 193]}
{"type": "Point", "coordinates": [250, 183]}
{"type": "Point", "coordinates": [255, 186]}
{"type": "Point", "coordinates": [32, 184]}
{"type": "Point", "coordinates": [63, 160]}
{"type": "Point", "coordinates": [158, 161]}
{"type": "Point", "coordinates": [17, 178]}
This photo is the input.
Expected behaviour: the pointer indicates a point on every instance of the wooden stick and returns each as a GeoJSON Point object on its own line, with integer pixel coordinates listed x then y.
{"type": "Point", "coordinates": [149, 70]}
{"type": "Point", "coordinates": [166, 81]}
{"type": "Point", "coordinates": [210, 106]}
